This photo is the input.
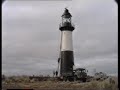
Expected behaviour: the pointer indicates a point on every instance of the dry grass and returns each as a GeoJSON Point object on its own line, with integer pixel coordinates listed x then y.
{"type": "Point", "coordinates": [54, 84]}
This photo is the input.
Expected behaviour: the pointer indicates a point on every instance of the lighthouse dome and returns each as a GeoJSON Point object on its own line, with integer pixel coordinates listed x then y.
{"type": "Point", "coordinates": [66, 14]}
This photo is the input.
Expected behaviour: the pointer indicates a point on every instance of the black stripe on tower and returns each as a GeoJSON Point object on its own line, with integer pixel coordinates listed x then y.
{"type": "Point", "coordinates": [67, 62]}
{"type": "Point", "coordinates": [66, 27]}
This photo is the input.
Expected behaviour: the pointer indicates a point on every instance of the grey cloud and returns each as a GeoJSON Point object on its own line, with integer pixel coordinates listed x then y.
{"type": "Point", "coordinates": [31, 36]}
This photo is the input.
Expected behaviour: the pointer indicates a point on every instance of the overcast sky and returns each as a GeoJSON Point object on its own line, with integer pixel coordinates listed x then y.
{"type": "Point", "coordinates": [31, 35]}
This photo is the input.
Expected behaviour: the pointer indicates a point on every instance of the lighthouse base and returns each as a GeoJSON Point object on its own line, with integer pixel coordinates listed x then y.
{"type": "Point", "coordinates": [67, 63]}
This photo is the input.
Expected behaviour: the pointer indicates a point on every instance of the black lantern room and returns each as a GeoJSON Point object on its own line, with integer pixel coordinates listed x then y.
{"type": "Point", "coordinates": [66, 21]}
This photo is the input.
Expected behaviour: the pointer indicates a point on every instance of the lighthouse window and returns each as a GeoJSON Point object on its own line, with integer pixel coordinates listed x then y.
{"type": "Point", "coordinates": [66, 20]}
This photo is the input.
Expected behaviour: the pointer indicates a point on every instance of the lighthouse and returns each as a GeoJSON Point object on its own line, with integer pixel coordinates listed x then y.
{"type": "Point", "coordinates": [66, 46]}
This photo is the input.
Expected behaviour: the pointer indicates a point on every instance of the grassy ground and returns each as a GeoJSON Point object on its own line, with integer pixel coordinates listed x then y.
{"type": "Point", "coordinates": [93, 85]}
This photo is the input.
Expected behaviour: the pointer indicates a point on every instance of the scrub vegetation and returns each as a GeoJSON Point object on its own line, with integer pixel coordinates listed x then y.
{"type": "Point", "coordinates": [53, 83]}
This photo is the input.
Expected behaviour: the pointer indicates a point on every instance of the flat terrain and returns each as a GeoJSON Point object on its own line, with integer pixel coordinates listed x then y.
{"type": "Point", "coordinates": [57, 85]}
{"type": "Point", "coordinates": [54, 84]}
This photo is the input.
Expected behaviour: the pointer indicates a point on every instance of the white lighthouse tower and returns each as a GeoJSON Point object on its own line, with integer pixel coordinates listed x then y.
{"type": "Point", "coordinates": [66, 48]}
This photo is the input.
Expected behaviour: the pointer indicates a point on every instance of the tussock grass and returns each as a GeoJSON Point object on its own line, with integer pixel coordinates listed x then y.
{"type": "Point", "coordinates": [25, 82]}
